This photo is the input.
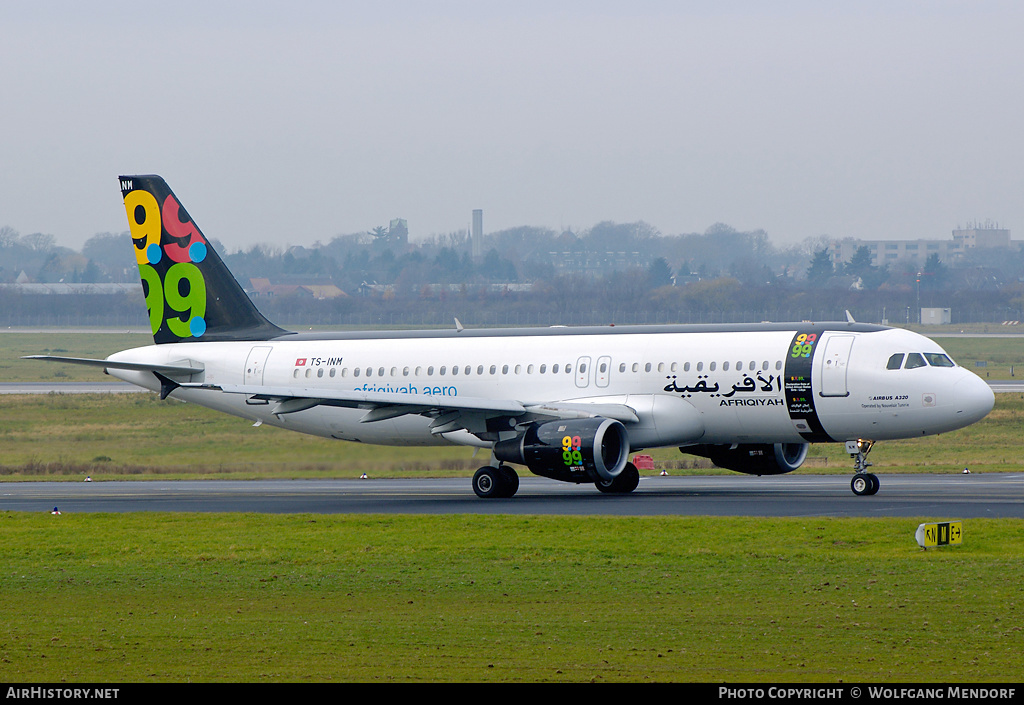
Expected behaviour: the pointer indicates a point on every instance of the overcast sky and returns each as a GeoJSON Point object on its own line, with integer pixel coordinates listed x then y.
{"type": "Point", "coordinates": [288, 123]}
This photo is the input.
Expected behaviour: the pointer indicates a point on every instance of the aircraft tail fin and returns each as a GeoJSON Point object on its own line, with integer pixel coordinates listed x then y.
{"type": "Point", "coordinates": [190, 294]}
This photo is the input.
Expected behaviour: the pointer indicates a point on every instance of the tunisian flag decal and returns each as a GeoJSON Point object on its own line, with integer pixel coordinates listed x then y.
{"type": "Point", "coordinates": [301, 362]}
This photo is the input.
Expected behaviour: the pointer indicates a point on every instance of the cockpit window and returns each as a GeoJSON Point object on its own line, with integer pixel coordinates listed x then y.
{"type": "Point", "coordinates": [914, 360]}
{"type": "Point", "coordinates": [938, 360]}
{"type": "Point", "coordinates": [895, 362]}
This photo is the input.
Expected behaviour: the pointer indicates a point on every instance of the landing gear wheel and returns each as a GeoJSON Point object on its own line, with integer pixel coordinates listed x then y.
{"type": "Point", "coordinates": [490, 482]}
{"type": "Point", "coordinates": [486, 482]}
{"type": "Point", "coordinates": [623, 483]}
{"type": "Point", "coordinates": [864, 484]}
{"type": "Point", "coordinates": [510, 480]}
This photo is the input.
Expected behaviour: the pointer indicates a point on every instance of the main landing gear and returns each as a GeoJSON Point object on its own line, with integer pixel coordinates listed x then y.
{"type": "Point", "coordinates": [623, 483]}
{"type": "Point", "coordinates": [501, 482]}
{"type": "Point", "coordinates": [863, 482]}
{"type": "Point", "coordinates": [493, 482]}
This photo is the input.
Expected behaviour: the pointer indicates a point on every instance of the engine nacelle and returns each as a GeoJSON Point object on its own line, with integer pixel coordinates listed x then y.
{"type": "Point", "coordinates": [578, 450]}
{"type": "Point", "coordinates": [754, 458]}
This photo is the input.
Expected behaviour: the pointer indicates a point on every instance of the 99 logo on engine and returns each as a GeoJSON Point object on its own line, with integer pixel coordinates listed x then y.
{"type": "Point", "coordinates": [571, 453]}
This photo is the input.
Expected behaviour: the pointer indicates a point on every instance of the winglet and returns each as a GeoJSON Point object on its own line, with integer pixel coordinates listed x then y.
{"type": "Point", "coordinates": [849, 317]}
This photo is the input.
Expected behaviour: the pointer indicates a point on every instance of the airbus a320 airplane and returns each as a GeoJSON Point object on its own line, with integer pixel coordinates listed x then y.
{"type": "Point", "coordinates": [568, 403]}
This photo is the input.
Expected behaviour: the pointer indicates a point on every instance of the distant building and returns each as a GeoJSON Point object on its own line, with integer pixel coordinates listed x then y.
{"type": "Point", "coordinates": [597, 262]}
{"type": "Point", "coordinates": [936, 316]}
{"type": "Point", "coordinates": [261, 287]}
{"type": "Point", "coordinates": [917, 252]}
{"type": "Point", "coordinates": [477, 236]}
{"type": "Point", "coordinates": [72, 288]}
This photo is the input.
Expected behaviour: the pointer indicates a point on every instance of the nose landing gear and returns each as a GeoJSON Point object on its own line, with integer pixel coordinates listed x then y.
{"type": "Point", "coordinates": [863, 482]}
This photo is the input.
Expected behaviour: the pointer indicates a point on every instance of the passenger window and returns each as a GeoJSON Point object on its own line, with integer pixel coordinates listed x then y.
{"type": "Point", "coordinates": [493, 369]}
{"type": "Point", "coordinates": [636, 366]}
{"type": "Point", "coordinates": [622, 367]}
{"type": "Point", "coordinates": [725, 366]}
{"type": "Point", "coordinates": [938, 360]}
{"type": "Point", "coordinates": [479, 369]}
{"type": "Point", "coordinates": [320, 372]}
{"type": "Point", "coordinates": [543, 369]}
{"type": "Point", "coordinates": [914, 360]}
{"type": "Point", "coordinates": [333, 372]}
{"type": "Point", "coordinates": [895, 362]}
{"type": "Point", "coordinates": [455, 369]}
{"type": "Point", "coordinates": [647, 367]}
{"type": "Point", "coordinates": [444, 368]}
{"type": "Point", "coordinates": [554, 369]}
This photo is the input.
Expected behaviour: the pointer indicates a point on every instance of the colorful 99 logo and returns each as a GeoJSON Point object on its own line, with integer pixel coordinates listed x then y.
{"type": "Point", "coordinates": [803, 346]}
{"type": "Point", "coordinates": [183, 288]}
{"type": "Point", "coordinates": [571, 453]}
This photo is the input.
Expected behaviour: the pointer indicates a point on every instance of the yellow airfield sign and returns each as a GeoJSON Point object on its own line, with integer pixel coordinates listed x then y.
{"type": "Point", "coordinates": [948, 533]}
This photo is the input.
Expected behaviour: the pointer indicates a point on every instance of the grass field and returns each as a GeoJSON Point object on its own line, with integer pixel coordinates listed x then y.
{"type": "Point", "coordinates": [176, 597]}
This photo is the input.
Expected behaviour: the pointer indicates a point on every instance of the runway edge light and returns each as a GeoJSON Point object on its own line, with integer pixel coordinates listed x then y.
{"type": "Point", "coordinates": [947, 533]}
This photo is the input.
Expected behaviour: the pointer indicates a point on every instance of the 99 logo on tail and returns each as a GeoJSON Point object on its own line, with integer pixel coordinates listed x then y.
{"type": "Point", "coordinates": [167, 251]}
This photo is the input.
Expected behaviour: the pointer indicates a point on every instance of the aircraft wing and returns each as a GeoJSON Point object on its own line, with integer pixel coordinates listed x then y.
{"type": "Point", "coordinates": [449, 413]}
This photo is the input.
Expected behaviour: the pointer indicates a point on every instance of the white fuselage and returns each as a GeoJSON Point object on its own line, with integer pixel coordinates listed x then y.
{"type": "Point", "coordinates": [746, 386]}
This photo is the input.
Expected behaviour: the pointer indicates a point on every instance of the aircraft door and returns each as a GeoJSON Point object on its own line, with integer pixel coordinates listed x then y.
{"type": "Point", "coordinates": [835, 363]}
{"type": "Point", "coordinates": [583, 372]}
{"type": "Point", "coordinates": [255, 364]}
{"type": "Point", "coordinates": [603, 372]}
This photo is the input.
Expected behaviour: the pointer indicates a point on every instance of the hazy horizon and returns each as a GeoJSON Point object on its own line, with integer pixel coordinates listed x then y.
{"type": "Point", "coordinates": [288, 124]}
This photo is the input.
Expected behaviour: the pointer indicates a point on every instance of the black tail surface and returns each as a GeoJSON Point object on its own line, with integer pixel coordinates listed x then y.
{"type": "Point", "coordinates": [190, 294]}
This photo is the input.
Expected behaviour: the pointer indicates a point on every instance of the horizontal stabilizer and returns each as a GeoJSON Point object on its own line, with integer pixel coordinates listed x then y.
{"type": "Point", "coordinates": [111, 365]}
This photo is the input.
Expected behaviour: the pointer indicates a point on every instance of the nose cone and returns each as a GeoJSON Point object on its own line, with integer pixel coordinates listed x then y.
{"type": "Point", "coordinates": [973, 399]}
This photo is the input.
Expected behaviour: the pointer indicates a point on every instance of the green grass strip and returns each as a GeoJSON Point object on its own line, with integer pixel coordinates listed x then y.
{"type": "Point", "coordinates": [177, 597]}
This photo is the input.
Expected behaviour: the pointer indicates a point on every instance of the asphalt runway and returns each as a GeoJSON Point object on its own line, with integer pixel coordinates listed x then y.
{"type": "Point", "coordinates": [934, 497]}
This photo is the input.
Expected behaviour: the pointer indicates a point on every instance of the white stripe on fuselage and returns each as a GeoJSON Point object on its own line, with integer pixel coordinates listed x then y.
{"type": "Point", "coordinates": [735, 380]}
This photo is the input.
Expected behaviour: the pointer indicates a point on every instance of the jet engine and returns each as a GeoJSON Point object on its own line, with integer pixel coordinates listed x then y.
{"type": "Point", "coordinates": [579, 450]}
{"type": "Point", "coordinates": [754, 458]}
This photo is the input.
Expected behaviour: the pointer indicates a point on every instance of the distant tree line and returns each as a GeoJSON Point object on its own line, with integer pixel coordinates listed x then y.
{"type": "Point", "coordinates": [612, 273]}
